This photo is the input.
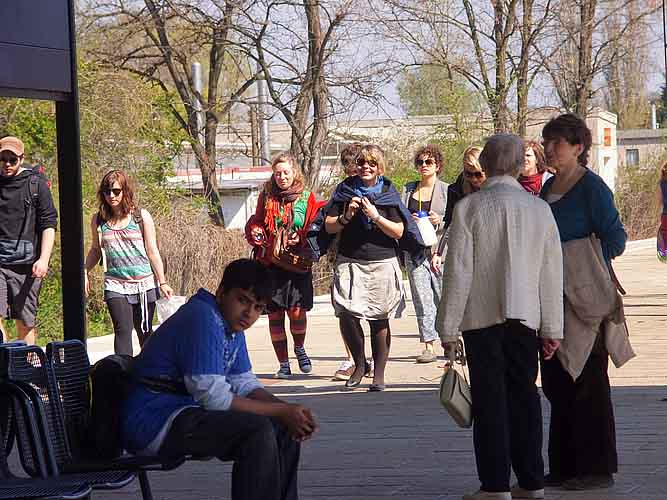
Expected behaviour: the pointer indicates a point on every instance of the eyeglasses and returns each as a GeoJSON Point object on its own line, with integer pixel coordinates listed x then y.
{"type": "Point", "coordinates": [476, 175]}
{"type": "Point", "coordinates": [429, 162]}
{"type": "Point", "coordinates": [10, 160]}
{"type": "Point", "coordinates": [115, 191]}
{"type": "Point", "coordinates": [362, 161]}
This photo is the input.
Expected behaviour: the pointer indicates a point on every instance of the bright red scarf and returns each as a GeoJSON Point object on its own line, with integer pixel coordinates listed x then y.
{"type": "Point", "coordinates": [532, 183]}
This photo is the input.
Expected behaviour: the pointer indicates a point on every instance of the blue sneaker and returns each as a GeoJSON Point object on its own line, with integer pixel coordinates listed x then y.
{"type": "Point", "coordinates": [304, 361]}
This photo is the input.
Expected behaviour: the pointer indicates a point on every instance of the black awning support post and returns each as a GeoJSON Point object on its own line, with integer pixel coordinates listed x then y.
{"type": "Point", "coordinates": [71, 202]}
{"type": "Point", "coordinates": [40, 49]}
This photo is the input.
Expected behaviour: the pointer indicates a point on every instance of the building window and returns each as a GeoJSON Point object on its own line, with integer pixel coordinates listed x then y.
{"type": "Point", "coordinates": [607, 137]}
{"type": "Point", "coordinates": [631, 157]}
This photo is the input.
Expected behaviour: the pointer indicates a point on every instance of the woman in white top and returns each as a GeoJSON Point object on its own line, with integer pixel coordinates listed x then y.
{"type": "Point", "coordinates": [503, 286]}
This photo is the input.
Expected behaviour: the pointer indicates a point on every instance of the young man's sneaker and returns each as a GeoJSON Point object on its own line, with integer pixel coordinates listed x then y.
{"type": "Point", "coordinates": [519, 492]}
{"type": "Point", "coordinates": [304, 361]}
{"type": "Point", "coordinates": [427, 356]}
{"type": "Point", "coordinates": [489, 495]}
{"type": "Point", "coordinates": [345, 371]}
{"type": "Point", "coordinates": [589, 482]}
{"type": "Point", "coordinates": [284, 371]}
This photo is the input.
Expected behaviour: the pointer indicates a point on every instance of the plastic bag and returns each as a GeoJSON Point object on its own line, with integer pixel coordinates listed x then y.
{"type": "Point", "coordinates": [166, 308]}
{"type": "Point", "coordinates": [427, 231]}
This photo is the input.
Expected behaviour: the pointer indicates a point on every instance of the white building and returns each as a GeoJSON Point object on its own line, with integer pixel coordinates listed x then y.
{"type": "Point", "coordinates": [240, 181]}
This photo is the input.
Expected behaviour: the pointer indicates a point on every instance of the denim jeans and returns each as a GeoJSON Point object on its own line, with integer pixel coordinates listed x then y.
{"type": "Point", "coordinates": [426, 288]}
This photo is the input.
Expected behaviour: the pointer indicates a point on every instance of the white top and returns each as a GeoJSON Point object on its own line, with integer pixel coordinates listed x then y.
{"type": "Point", "coordinates": [504, 262]}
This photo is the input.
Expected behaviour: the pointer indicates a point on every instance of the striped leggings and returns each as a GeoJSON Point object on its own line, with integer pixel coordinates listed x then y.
{"type": "Point", "coordinates": [297, 324]}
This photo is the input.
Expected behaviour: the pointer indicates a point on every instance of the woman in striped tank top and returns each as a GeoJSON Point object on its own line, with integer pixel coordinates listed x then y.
{"type": "Point", "coordinates": [124, 238]}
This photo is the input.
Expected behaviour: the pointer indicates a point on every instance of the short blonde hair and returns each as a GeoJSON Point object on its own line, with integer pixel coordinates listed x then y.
{"type": "Point", "coordinates": [471, 157]}
{"type": "Point", "coordinates": [373, 152]}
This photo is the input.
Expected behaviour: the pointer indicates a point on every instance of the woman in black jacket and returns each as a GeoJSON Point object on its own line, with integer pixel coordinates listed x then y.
{"type": "Point", "coordinates": [469, 180]}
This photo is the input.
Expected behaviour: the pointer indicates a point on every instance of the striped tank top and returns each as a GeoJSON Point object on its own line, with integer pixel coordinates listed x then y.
{"type": "Point", "coordinates": [128, 268]}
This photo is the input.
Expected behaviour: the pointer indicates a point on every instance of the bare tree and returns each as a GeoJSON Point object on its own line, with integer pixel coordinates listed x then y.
{"type": "Point", "coordinates": [305, 52]}
{"type": "Point", "coordinates": [625, 90]}
{"type": "Point", "coordinates": [580, 50]}
{"type": "Point", "coordinates": [159, 41]}
{"type": "Point", "coordinates": [490, 45]}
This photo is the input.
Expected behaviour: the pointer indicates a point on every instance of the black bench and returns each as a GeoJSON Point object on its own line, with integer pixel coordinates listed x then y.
{"type": "Point", "coordinates": [16, 406]}
{"type": "Point", "coordinates": [55, 385]}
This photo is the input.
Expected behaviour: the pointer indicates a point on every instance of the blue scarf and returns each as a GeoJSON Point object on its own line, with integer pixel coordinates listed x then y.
{"type": "Point", "coordinates": [363, 191]}
{"type": "Point", "coordinates": [411, 241]}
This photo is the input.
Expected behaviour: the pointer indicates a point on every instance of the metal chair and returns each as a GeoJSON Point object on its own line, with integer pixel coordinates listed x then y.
{"type": "Point", "coordinates": [16, 406]}
{"type": "Point", "coordinates": [27, 369]}
{"type": "Point", "coordinates": [69, 364]}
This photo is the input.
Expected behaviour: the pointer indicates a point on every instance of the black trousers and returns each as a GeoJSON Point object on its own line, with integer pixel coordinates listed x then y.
{"type": "Point", "coordinates": [507, 425]}
{"type": "Point", "coordinates": [266, 458]}
{"type": "Point", "coordinates": [582, 432]}
{"type": "Point", "coordinates": [124, 316]}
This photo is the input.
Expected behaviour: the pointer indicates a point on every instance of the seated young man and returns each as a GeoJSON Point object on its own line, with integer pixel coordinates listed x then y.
{"type": "Point", "coordinates": [227, 413]}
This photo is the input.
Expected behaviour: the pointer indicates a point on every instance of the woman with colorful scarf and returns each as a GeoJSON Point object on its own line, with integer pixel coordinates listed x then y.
{"type": "Point", "coordinates": [368, 282]}
{"type": "Point", "coordinates": [285, 203]}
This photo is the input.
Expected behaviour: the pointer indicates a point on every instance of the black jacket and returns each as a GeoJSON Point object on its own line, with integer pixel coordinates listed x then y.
{"type": "Point", "coordinates": [411, 241]}
{"type": "Point", "coordinates": [26, 209]}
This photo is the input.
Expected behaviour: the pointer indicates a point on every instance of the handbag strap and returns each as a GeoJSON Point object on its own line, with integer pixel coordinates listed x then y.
{"type": "Point", "coordinates": [459, 359]}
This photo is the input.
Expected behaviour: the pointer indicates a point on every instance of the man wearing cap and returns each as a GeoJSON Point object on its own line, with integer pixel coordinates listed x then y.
{"type": "Point", "coordinates": [27, 232]}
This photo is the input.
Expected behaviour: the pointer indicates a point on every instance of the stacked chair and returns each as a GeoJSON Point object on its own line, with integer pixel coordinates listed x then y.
{"type": "Point", "coordinates": [18, 418]}
{"type": "Point", "coordinates": [45, 400]}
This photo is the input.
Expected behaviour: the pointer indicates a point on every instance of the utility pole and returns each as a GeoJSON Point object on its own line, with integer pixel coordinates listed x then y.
{"type": "Point", "coordinates": [199, 110]}
{"type": "Point", "coordinates": [262, 115]}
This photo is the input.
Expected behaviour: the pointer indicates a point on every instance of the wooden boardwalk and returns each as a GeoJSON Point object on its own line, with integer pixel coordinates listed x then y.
{"type": "Point", "coordinates": [400, 443]}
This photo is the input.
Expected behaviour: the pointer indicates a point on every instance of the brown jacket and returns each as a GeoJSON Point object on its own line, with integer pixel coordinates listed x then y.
{"type": "Point", "coordinates": [593, 306]}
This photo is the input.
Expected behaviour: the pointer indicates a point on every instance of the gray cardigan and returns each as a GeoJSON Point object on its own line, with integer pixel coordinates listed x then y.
{"type": "Point", "coordinates": [438, 202]}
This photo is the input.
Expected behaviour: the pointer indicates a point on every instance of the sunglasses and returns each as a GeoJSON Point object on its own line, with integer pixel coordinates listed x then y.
{"type": "Point", "coordinates": [361, 162]}
{"type": "Point", "coordinates": [429, 162]}
{"type": "Point", "coordinates": [115, 191]}
{"type": "Point", "coordinates": [10, 160]}
{"type": "Point", "coordinates": [476, 175]}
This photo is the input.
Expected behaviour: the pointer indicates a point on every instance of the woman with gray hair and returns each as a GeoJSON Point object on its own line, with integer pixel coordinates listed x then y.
{"type": "Point", "coordinates": [503, 287]}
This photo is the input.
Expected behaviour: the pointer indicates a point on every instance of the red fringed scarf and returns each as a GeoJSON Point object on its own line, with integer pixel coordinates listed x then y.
{"type": "Point", "coordinates": [532, 183]}
{"type": "Point", "coordinates": [274, 199]}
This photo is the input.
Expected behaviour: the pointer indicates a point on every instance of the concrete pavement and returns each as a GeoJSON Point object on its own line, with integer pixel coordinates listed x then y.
{"type": "Point", "coordinates": [402, 443]}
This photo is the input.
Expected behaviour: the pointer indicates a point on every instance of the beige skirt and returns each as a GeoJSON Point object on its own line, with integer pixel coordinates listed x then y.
{"type": "Point", "coordinates": [368, 290]}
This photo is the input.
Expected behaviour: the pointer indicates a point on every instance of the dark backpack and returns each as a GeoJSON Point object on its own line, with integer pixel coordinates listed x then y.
{"type": "Point", "coordinates": [109, 383]}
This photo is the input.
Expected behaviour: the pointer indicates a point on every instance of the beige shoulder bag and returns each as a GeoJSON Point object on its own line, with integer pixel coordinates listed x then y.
{"type": "Point", "coordinates": [455, 394]}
